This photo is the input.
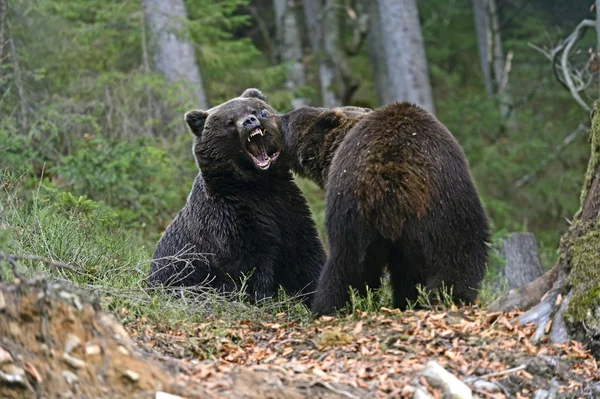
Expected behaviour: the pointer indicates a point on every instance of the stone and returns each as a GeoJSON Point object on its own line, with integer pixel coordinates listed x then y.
{"type": "Point", "coordinates": [131, 375]}
{"type": "Point", "coordinates": [70, 377]}
{"type": "Point", "coordinates": [73, 361]}
{"type": "Point", "coordinates": [71, 343]}
{"type": "Point", "coordinates": [92, 349]}
{"type": "Point", "coordinates": [439, 378]}
{"type": "Point", "coordinates": [5, 357]}
{"type": "Point", "coordinates": [164, 395]}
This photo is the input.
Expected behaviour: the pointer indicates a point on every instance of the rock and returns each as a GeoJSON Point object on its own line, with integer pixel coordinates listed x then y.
{"type": "Point", "coordinates": [92, 349]}
{"type": "Point", "coordinates": [70, 377]}
{"type": "Point", "coordinates": [2, 302]}
{"type": "Point", "coordinates": [73, 361]}
{"type": "Point", "coordinates": [5, 357]}
{"type": "Point", "coordinates": [164, 395]}
{"type": "Point", "coordinates": [131, 375]}
{"type": "Point", "coordinates": [439, 378]}
{"type": "Point", "coordinates": [72, 342]}
{"type": "Point", "coordinates": [123, 350]}
{"type": "Point", "coordinates": [420, 393]}
{"type": "Point", "coordinates": [12, 374]}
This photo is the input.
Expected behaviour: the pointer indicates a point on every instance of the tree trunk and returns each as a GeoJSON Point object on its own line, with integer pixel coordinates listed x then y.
{"type": "Point", "coordinates": [377, 55]}
{"type": "Point", "coordinates": [315, 26]}
{"type": "Point", "coordinates": [492, 60]}
{"type": "Point", "coordinates": [568, 295]}
{"type": "Point", "coordinates": [406, 65]}
{"type": "Point", "coordinates": [174, 55]}
{"type": "Point", "coordinates": [289, 42]}
{"type": "Point", "coordinates": [482, 29]}
{"type": "Point", "coordinates": [522, 260]}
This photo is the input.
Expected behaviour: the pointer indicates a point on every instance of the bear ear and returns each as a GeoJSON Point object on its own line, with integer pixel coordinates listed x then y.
{"type": "Point", "coordinates": [254, 93]}
{"type": "Point", "coordinates": [195, 120]}
{"type": "Point", "coordinates": [330, 119]}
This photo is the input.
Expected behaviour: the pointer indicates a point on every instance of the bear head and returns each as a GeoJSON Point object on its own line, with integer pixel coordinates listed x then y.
{"type": "Point", "coordinates": [238, 137]}
{"type": "Point", "coordinates": [308, 132]}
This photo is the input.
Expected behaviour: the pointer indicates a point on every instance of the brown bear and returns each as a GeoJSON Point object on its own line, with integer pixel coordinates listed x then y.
{"type": "Point", "coordinates": [245, 218]}
{"type": "Point", "coordinates": [398, 192]}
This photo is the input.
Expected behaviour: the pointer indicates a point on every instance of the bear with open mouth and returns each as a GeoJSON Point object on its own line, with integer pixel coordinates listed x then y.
{"type": "Point", "coordinates": [245, 221]}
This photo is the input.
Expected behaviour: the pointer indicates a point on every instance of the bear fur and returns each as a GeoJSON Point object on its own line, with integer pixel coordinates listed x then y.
{"type": "Point", "coordinates": [398, 192]}
{"type": "Point", "coordinates": [245, 216]}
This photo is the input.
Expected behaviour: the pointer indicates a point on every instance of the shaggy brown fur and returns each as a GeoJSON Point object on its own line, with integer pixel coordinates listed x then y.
{"type": "Point", "coordinates": [399, 192]}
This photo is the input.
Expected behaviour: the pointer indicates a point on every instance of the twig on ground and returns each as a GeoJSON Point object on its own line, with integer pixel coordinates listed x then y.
{"type": "Point", "coordinates": [497, 374]}
{"type": "Point", "coordinates": [35, 258]}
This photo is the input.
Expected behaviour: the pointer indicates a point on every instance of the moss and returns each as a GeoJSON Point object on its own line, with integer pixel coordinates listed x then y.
{"type": "Point", "coordinates": [585, 279]}
{"type": "Point", "coordinates": [595, 154]}
{"type": "Point", "coordinates": [584, 249]}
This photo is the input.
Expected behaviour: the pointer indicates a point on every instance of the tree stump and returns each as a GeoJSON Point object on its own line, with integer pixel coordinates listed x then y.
{"type": "Point", "coordinates": [522, 260]}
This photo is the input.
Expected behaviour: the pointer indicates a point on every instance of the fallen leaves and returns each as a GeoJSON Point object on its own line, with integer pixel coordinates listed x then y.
{"type": "Point", "coordinates": [377, 355]}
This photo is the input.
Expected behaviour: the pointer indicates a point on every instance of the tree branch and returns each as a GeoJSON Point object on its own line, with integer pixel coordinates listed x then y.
{"type": "Point", "coordinates": [11, 259]}
{"type": "Point", "coordinates": [557, 150]}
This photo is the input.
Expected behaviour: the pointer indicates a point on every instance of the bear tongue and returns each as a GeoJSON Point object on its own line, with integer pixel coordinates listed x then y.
{"type": "Point", "coordinates": [256, 148]}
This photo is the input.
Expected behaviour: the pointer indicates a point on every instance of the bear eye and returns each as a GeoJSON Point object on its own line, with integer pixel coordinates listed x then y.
{"type": "Point", "coordinates": [230, 123]}
{"type": "Point", "coordinates": [263, 113]}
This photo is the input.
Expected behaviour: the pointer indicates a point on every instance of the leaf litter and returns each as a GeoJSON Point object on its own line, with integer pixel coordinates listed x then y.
{"type": "Point", "coordinates": [368, 355]}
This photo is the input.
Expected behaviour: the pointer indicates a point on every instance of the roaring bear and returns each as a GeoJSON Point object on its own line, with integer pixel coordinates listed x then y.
{"type": "Point", "coordinates": [245, 220]}
{"type": "Point", "coordinates": [398, 192]}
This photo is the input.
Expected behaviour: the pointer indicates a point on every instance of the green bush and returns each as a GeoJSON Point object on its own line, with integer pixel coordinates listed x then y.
{"type": "Point", "coordinates": [140, 181]}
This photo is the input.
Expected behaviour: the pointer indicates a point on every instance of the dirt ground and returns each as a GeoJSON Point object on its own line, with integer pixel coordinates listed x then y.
{"type": "Point", "coordinates": [56, 344]}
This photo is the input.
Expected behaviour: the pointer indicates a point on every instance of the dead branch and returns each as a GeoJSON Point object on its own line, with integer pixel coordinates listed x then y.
{"type": "Point", "coordinates": [573, 79]}
{"type": "Point", "coordinates": [564, 61]}
{"type": "Point", "coordinates": [360, 28]}
{"type": "Point", "coordinates": [557, 150]}
{"type": "Point", "coordinates": [11, 259]}
{"type": "Point", "coordinates": [264, 32]}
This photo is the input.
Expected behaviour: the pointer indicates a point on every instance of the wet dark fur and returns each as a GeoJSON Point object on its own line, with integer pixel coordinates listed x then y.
{"type": "Point", "coordinates": [398, 192]}
{"type": "Point", "coordinates": [246, 221]}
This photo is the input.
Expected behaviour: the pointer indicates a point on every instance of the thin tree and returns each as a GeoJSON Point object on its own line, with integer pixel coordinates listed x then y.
{"type": "Point", "coordinates": [289, 48]}
{"type": "Point", "coordinates": [174, 54]}
{"type": "Point", "coordinates": [495, 67]}
{"type": "Point", "coordinates": [320, 23]}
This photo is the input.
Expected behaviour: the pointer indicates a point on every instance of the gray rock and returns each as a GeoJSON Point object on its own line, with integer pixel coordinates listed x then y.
{"type": "Point", "coordinates": [439, 378]}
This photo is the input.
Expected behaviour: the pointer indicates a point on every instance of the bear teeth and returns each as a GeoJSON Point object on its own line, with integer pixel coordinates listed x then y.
{"type": "Point", "coordinates": [255, 132]}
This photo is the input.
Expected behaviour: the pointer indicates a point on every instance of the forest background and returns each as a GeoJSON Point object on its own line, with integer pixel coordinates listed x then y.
{"type": "Point", "coordinates": [95, 158]}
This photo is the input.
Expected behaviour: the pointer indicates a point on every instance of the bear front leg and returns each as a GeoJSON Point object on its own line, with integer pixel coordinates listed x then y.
{"type": "Point", "coordinates": [301, 268]}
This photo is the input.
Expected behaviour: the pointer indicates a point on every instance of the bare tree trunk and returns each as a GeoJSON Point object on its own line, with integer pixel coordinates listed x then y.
{"type": "Point", "coordinates": [597, 3]}
{"type": "Point", "coordinates": [3, 10]}
{"type": "Point", "coordinates": [482, 29]}
{"type": "Point", "coordinates": [289, 42]}
{"type": "Point", "coordinates": [495, 67]}
{"type": "Point", "coordinates": [146, 66]}
{"type": "Point", "coordinates": [16, 69]}
{"type": "Point", "coordinates": [522, 260]}
{"type": "Point", "coordinates": [377, 55]}
{"type": "Point", "coordinates": [408, 73]}
{"type": "Point", "coordinates": [174, 55]}
{"type": "Point", "coordinates": [314, 20]}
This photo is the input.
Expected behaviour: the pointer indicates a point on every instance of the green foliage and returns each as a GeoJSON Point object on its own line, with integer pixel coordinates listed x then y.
{"type": "Point", "coordinates": [135, 177]}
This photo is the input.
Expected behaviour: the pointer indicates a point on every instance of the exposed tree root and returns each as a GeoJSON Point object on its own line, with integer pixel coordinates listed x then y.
{"type": "Point", "coordinates": [528, 295]}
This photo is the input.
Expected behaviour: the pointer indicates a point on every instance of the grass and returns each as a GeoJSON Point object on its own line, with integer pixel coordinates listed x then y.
{"type": "Point", "coordinates": [109, 261]}
{"type": "Point", "coordinates": [112, 262]}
